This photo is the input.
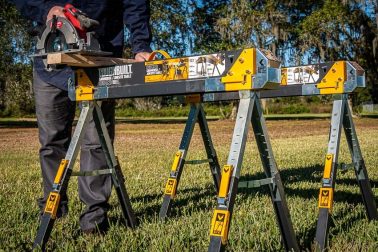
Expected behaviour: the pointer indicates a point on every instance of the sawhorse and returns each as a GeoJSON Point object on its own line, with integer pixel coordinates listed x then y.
{"type": "Point", "coordinates": [196, 114]}
{"type": "Point", "coordinates": [249, 112]}
{"type": "Point", "coordinates": [65, 171]}
{"type": "Point", "coordinates": [341, 117]}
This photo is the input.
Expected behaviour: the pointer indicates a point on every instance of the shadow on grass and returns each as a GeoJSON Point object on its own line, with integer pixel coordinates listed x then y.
{"type": "Point", "coordinates": [18, 124]}
{"type": "Point", "coordinates": [199, 197]}
{"type": "Point", "coordinates": [312, 174]}
{"type": "Point", "coordinates": [204, 199]}
{"type": "Point", "coordinates": [22, 246]}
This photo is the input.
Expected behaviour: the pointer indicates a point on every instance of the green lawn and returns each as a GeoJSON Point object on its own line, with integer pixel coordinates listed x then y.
{"type": "Point", "coordinates": [146, 152]}
{"type": "Point", "coordinates": [32, 121]}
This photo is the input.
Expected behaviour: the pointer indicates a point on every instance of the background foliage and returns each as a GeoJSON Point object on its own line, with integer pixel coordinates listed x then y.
{"type": "Point", "coordinates": [299, 32]}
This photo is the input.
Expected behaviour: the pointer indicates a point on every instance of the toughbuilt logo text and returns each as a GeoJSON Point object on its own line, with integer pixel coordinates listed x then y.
{"type": "Point", "coordinates": [115, 73]}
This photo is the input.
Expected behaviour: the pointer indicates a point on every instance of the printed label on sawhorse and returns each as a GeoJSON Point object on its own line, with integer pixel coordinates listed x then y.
{"type": "Point", "coordinates": [326, 198]}
{"type": "Point", "coordinates": [52, 204]}
{"type": "Point", "coordinates": [170, 187]}
{"type": "Point", "coordinates": [219, 224]}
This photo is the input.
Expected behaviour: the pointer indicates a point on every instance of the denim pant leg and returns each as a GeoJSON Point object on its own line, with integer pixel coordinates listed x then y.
{"type": "Point", "coordinates": [55, 113]}
{"type": "Point", "coordinates": [94, 191]}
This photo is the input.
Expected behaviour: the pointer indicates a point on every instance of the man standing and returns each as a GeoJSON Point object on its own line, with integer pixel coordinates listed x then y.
{"type": "Point", "coordinates": [55, 112]}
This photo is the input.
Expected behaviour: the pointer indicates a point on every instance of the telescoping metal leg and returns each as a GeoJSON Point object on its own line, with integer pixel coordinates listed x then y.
{"type": "Point", "coordinates": [341, 116]}
{"type": "Point", "coordinates": [329, 175]}
{"type": "Point", "coordinates": [196, 114]}
{"type": "Point", "coordinates": [178, 162]}
{"type": "Point", "coordinates": [359, 164]}
{"type": "Point", "coordinates": [117, 176]}
{"type": "Point", "coordinates": [249, 112]}
{"type": "Point", "coordinates": [61, 179]}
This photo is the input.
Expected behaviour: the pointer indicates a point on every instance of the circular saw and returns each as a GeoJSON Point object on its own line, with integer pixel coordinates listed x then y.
{"type": "Point", "coordinates": [72, 33]}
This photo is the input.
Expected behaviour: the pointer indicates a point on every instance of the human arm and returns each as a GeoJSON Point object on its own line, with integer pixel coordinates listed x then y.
{"type": "Point", "coordinates": [38, 10]}
{"type": "Point", "coordinates": [136, 16]}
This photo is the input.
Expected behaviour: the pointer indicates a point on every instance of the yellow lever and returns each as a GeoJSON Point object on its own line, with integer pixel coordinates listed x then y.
{"type": "Point", "coordinates": [153, 54]}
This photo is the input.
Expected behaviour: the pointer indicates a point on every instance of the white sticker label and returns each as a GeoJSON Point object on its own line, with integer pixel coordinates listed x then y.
{"type": "Point", "coordinates": [115, 73]}
{"type": "Point", "coordinates": [303, 74]}
{"type": "Point", "coordinates": [206, 65]}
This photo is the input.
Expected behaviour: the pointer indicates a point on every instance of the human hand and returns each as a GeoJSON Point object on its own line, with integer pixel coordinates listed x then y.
{"type": "Point", "coordinates": [55, 11]}
{"type": "Point", "coordinates": [142, 56]}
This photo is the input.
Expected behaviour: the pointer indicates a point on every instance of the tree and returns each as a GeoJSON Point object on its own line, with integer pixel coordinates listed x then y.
{"type": "Point", "coordinates": [15, 70]}
{"type": "Point", "coordinates": [296, 31]}
{"type": "Point", "coordinates": [343, 30]}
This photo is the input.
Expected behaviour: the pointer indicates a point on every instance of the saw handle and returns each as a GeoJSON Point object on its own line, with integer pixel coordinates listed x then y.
{"type": "Point", "coordinates": [79, 19]}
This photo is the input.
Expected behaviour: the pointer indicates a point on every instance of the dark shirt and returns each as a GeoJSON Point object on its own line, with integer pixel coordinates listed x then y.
{"type": "Point", "coordinates": [112, 15]}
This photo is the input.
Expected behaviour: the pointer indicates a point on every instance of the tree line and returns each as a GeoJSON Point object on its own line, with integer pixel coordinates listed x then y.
{"type": "Point", "coordinates": [298, 32]}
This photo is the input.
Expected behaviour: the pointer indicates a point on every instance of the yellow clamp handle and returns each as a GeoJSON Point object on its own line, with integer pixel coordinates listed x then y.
{"type": "Point", "coordinates": [153, 54]}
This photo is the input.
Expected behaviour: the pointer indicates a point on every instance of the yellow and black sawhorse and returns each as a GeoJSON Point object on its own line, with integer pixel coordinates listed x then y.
{"type": "Point", "coordinates": [249, 112]}
{"type": "Point", "coordinates": [89, 110]}
{"type": "Point", "coordinates": [196, 115]}
{"type": "Point", "coordinates": [341, 118]}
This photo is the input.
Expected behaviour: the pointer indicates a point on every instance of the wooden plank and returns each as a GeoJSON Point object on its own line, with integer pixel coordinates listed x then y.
{"type": "Point", "coordinates": [79, 60]}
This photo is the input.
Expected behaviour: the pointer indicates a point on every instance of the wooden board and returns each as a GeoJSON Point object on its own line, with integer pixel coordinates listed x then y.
{"type": "Point", "coordinates": [79, 60]}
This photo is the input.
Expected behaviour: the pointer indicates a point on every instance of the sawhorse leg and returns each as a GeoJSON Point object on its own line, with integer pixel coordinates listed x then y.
{"type": "Point", "coordinates": [196, 114]}
{"type": "Point", "coordinates": [249, 112]}
{"type": "Point", "coordinates": [341, 116]}
{"type": "Point", "coordinates": [359, 165]}
{"type": "Point", "coordinates": [117, 176]}
{"type": "Point", "coordinates": [65, 171]}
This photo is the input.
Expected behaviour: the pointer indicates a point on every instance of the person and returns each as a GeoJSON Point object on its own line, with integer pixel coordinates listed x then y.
{"type": "Point", "coordinates": [55, 112]}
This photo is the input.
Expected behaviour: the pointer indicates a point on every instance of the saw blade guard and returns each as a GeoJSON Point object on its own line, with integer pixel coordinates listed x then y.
{"type": "Point", "coordinates": [59, 35]}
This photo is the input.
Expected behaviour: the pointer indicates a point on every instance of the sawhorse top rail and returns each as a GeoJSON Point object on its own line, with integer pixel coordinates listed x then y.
{"type": "Point", "coordinates": [216, 76]}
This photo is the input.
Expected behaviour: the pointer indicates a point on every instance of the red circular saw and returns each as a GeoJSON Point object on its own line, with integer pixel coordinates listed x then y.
{"type": "Point", "coordinates": [70, 34]}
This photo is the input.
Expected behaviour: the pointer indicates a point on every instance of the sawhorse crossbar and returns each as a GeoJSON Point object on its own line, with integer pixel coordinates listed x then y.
{"type": "Point", "coordinates": [341, 117]}
{"type": "Point", "coordinates": [65, 171]}
{"type": "Point", "coordinates": [196, 114]}
{"type": "Point", "coordinates": [249, 112]}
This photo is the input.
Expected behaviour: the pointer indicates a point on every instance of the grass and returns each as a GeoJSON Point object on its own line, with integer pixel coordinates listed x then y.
{"type": "Point", "coordinates": [146, 151]}
{"type": "Point", "coordinates": [32, 122]}
{"type": "Point", "coordinates": [172, 111]}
